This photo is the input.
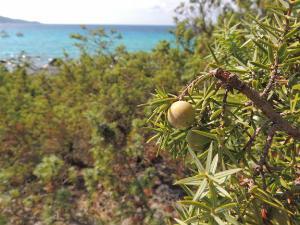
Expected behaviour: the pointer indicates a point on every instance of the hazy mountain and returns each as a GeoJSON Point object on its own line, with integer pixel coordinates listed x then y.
{"type": "Point", "coordinates": [9, 20]}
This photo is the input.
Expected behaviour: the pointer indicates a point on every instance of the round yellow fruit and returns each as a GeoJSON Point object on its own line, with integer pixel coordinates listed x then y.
{"type": "Point", "coordinates": [181, 115]}
{"type": "Point", "coordinates": [195, 141]}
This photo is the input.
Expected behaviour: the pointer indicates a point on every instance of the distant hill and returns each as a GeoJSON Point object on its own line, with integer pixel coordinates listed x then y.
{"type": "Point", "coordinates": [9, 20]}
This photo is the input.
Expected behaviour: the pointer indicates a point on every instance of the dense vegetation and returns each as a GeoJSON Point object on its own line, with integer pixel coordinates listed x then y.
{"type": "Point", "coordinates": [238, 123]}
{"type": "Point", "coordinates": [74, 145]}
{"type": "Point", "coordinates": [76, 137]}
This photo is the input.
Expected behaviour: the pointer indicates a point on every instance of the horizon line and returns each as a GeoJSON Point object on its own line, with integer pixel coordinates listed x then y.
{"type": "Point", "coordinates": [87, 24]}
{"type": "Point", "coordinates": [108, 24]}
{"type": "Point", "coordinates": [25, 21]}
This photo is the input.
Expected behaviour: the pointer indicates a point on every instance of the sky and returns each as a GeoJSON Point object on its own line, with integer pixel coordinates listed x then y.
{"type": "Point", "coordinates": [91, 11]}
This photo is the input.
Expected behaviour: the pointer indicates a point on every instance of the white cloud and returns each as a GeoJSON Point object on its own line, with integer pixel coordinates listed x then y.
{"type": "Point", "coordinates": [92, 11]}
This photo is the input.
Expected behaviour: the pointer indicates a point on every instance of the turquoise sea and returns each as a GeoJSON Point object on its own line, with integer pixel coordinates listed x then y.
{"type": "Point", "coordinates": [44, 42]}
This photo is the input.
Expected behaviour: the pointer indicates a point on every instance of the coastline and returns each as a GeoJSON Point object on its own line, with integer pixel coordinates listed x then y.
{"type": "Point", "coordinates": [47, 41]}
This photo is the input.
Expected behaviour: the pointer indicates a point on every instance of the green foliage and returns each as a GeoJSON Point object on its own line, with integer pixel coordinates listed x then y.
{"type": "Point", "coordinates": [211, 200]}
{"type": "Point", "coordinates": [76, 135]}
{"type": "Point", "coordinates": [48, 168]}
{"type": "Point", "coordinates": [263, 53]}
{"type": "Point", "coordinates": [3, 220]}
{"type": "Point", "coordinates": [73, 142]}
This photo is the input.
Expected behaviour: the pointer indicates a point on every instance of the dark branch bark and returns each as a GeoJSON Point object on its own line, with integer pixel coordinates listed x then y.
{"type": "Point", "coordinates": [271, 82]}
{"type": "Point", "coordinates": [224, 107]}
{"type": "Point", "coordinates": [252, 139]}
{"type": "Point", "coordinates": [264, 156]}
{"type": "Point", "coordinates": [266, 107]}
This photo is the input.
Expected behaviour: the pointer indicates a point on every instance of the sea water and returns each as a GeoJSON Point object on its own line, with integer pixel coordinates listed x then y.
{"type": "Point", "coordinates": [45, 42]}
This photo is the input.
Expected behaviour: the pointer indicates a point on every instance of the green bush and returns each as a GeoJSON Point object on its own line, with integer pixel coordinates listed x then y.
{"type": "Point", "coordinates": [247, 106]}
{"type": "Point", "coordinates": [48, 169]}
{"type": "Point", "coordinates": [74, 145]}
{"type": "Point", "coordinates": [80, 130]}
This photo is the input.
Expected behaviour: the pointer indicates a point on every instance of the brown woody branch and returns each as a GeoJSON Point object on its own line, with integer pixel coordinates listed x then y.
{"type": "Point", "coordinates": [266, 107]}
{"type": "Point", "coordinates": [272, 80]}
{"type": "Point", "coordinates": [252, 139]}
{"type": "Point", "coordinates": [224, 106]}
{"type": "Point", "coordinates": [264, 156]}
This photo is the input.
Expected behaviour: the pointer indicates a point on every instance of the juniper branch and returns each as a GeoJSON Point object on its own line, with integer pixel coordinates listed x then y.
{"type": "Point", "coordinates": [266, 107]}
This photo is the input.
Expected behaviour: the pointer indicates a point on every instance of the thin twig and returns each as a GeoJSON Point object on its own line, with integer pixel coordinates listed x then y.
{"type": "Point", "coordinates": [264, 156]}
{"type": "Point", "coordinates": [250, 143]}
{"type": "Point", "coordinates": [224, 107]}
{"type": "Point", "coordinates": [274, 72]}
{"type": "Point", "coordinates": [252, 139]}
{"type": "Point", "coordinates": [271, 82]}
{"type": "Point", "coordinates": [189, 86]}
